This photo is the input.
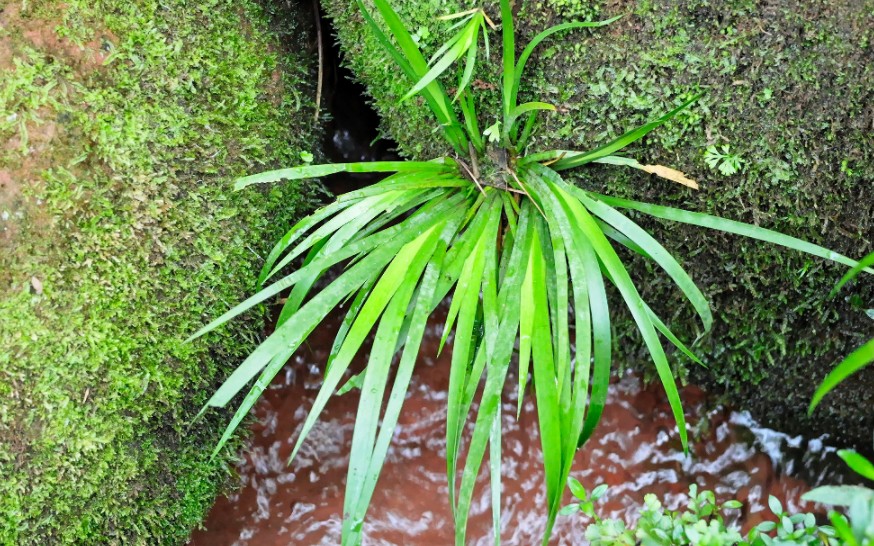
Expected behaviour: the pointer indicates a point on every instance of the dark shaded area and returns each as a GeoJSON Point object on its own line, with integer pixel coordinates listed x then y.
{"type": "Point", "coordinates": [351, 125]}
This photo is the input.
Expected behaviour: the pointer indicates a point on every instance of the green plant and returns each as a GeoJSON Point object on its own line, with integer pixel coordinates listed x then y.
{"type": "Point", "coordinates": [701, 524]}
{"type": "Point", "coordinates": [727, 163]}
{"type": "Point", "coordinates": [856, 360]}
{"type": "Point", "coordinates": [859, 530]}
{"type": "Point", "coordinates": [522, 254]}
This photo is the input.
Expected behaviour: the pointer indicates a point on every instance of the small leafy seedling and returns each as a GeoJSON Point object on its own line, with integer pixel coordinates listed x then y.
{"type": "Point", "coordinates": [726, 162]}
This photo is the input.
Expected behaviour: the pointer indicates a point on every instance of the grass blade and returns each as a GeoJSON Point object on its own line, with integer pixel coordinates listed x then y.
{"type": "Point", "coordinates": [618, 274]}
{"type": "Point", "coordinates": [421, 310]}
{"type": "Point", "coordinates": [502, 341]}
{"type": "Point", "coordinates": [854, 362]}
{"type": "Point", "coordinates": [508, 36]}
{"type": "Point", "coordinates": [318, 171]}
{"type": "Point", "coordinates": [376, 378]}
{"type": "Point", "coordinates": [858, 463]}
{"type": "Point", "coordinates": [516, 79]}
{"type": "Point", "coordinates": [654, 250]}
{"type": "Point", "coordinates": [866, 262]}
{"type": "Point", "coordinates": [729, 226]}
{"type": "Point", "coordinates": [408, 257]}
{"type": "Point", "coordinates": [495, 476]}
{"type": "Point", "coordinates": [570, 159]}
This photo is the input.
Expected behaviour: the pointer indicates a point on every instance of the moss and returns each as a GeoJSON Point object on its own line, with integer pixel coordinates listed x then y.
{"type": "Point", "coordinates": [788, 88]}
{"type": "Point", "coordinates": [122, 125]}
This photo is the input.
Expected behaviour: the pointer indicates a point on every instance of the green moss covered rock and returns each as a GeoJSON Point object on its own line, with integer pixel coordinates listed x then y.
{"type": "Point", "coordinates": [122, 125]}
{"type": "Point", "coordinates": [788, 95]}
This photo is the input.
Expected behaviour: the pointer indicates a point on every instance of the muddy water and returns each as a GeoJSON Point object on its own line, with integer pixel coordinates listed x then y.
{"type": "Point", "coordinates": [636, 450]}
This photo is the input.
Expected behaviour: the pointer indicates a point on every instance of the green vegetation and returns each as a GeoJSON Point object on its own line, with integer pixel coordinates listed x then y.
{"type": "Point", "coordinates": [121, 126]}
{"type": "Point", "coordinates": [855, 361]}
{"type": "Point", "coordinates": [787, 88]}
{"type": "Point", "coordinates": [703, 524]}
{"type": "Point", "coordinates": [519, 249]}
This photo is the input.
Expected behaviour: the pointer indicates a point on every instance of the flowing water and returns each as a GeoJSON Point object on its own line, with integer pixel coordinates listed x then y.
{"type": "Point", "coordinates": [635, 450]}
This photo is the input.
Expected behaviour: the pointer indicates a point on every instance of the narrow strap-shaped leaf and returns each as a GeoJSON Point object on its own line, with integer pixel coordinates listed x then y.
{"type": "Point", "coordinates": [465, 41]}
{"type": "Point", "coordinates": [495, 476]}
{"type": "Point", "coordinates": [729, 226]}
{"type": "Point", "coordinates": [461, 261]}
{"type": "Point", "coordinates": [574, 406]}
{"type": "Point", "coordinates": [858, 463]}
{"type": "Point", "coordinates": [546, 388]}
{"type": "Point", "coordinates": [387, 285]}
{"type": "Point", "coordinates": [854, 362]}
{"type": "Point", "coordinates": [503, 341]}
{"type": "Point", "coordinates": [359, 221]}
{"type": "Point", "coordinates": [392, 235]}
{"type": "Point", "coordinates": [421, 310]}
{"type": "Point", "coordinates": [654, 250]}
{"type": "Point", "coordinates": [414, 65]}
{"type": "Point", "coordinates": [866, 262]}
{"type": "Point", "coordinates": [293, 332]}
{"type": "Point", "coordinates": [349, 318]}
{"type": "Point", "coordinates": [297, 231]}
{"type": "Point", "coordinates": [508, 37]}
{"type": "Point", "coordinates": [341, 228]}
{"type": "Point", "coordinates": [469, 65]}
{"type": "Point", "coordinates": [571, 159]}
{"type": "Point", "coordinates": [521, 110]}
{"type": "Point", "coordinates": [621, 238]}
{"type": "Point", "coordinates": [375, 381]}
{"type": "Point", "coordinates": [611, 262]}
{"type": "Point", "coordinates": [516, 74]}
{"type": "Point", "coordinates": [404, 181]}
{"type": "Point", "coordinates": [318, 171]}
{"type": "Point", "coordinates": [670, 336]}
{"type": "Point", "coordinates": [467, 293]}
{"type": "Point", "coordinates": [260, 385]}
{"type": "Point", "coordinates": [526, 329]}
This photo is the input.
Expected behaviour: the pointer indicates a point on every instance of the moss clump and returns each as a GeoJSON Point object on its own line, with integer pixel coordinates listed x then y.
{"type": "Point", "coordinates": [788, 90]}
{"type": "Point", "coordinates": [122, 125]}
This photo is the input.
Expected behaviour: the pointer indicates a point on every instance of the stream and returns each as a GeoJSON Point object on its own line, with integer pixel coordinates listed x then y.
{"type": "Point", "coordinates": [635, 450]}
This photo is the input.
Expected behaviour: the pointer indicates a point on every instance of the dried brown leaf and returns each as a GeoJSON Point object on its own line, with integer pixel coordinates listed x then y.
{"type": "Point", "coordinates": [671, 174]}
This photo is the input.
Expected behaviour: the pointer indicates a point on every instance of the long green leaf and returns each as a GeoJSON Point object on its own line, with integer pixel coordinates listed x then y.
{"type": "Point", "coordinates": [375, 380]}
{"type": "Point", "coordinates": [364, 246]}
{"type": "Point", "coordinates": [866, 262]}
{"type": "Point", "coordinates": [465, 41]}
{"type": "Point", "coordinates": [384, 248]}
{"type": "Point", "coordinates": [416, 67]}
{"type": "Point", "coordinates": [654, 250]}
{"type": "Point", "coordinates": [508, 37]}
{"type": "Point", "coordinates": [409, 257]}
{"type": "Point", "coordinates": [318, 171]}
{"type": "Point", "coordinates": [503, 341]}
{"type": "Point", "coordinates": [621, 279]}
{"type": "Point", "coordinates": [729, 226]}
{"type": "Point", "coordinates": [858, 463]}
{"type": "Point", "coordinates": [570, 159]}
{"type": "Point", "coordinates": [422, 309]}
{"type": "Point", "coordinates": [854, 362]}
{"type": "Point", "coordinates": [546, 388]}
{"type": "Point", "coordinates": [516, 74]}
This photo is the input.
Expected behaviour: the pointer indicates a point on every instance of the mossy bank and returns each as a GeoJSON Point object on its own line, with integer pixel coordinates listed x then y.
{"type": "Point", "coordinates": [787, 91]}
{"type": "Point", "coordinates": [122, 125]}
